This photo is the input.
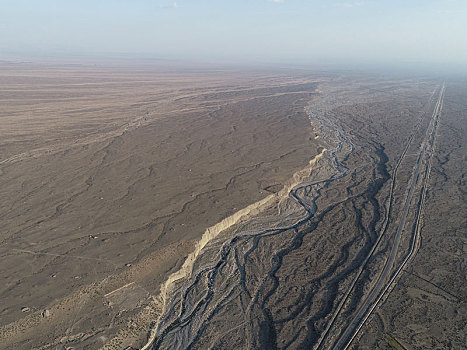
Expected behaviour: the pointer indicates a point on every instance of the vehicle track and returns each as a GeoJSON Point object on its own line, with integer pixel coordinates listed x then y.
{"type": "Point", "coordinates": [197, 301]}
{"type": "Point", "coordinates": [341, 171]}
{"type": "Point", "coordinates": [383, 229]}
{"type": "Point", "coordinates": [383, 284]}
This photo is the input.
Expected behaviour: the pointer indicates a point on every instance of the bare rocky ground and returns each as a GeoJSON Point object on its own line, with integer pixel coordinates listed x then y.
{"type": "Point", "coordinates": [108, 178]}
{"type": "Point", "coordinates": [427, 308]}
{"type": "Point", "coordinates": [314, 266]}
{"type": "Point", "coordinates": [220, 210]}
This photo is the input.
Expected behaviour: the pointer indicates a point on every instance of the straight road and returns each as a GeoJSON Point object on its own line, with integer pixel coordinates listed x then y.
{"type": "Point", "coordinates": [386, 279]}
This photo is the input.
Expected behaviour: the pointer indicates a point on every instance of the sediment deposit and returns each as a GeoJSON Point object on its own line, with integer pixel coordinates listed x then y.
{"type": "Point", "coordinates": [202, 209]}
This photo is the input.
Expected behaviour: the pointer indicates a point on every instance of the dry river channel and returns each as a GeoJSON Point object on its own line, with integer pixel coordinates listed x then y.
{"type": "Point", "coordinates": [306, 268]}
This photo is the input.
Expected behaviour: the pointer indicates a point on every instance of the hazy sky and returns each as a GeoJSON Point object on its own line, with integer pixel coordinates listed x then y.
{"type": "Point", "coordinates": [430, 31]}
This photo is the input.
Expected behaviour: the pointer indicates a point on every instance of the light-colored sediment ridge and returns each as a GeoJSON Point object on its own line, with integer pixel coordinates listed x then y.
{"type": "Point", "coordinates": [212, 232]}
{"type": "Point", "coordinates": [249, 211]}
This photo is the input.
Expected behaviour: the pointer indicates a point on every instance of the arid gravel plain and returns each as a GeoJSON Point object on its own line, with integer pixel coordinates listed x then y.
{"type": "Point", "coordinates": [155, 208]}
{"type": "Point", "coordinates": [110, 176]}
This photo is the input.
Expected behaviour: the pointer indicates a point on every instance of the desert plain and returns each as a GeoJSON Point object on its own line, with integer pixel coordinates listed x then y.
{"type": "Point", "coordinates": [144, 207]}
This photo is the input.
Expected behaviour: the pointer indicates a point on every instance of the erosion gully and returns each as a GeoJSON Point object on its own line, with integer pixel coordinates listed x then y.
{"type": "Point", "coordinates": [196, 301]}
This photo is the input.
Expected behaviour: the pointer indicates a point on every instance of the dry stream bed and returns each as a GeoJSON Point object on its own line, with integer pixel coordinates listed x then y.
{"type": "Point", "coordinates": [193, 210]}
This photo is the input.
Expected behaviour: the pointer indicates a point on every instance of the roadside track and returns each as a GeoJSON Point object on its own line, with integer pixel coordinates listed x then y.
{"type": "Point", "coordinates": [386, 279]}
{"type": "Point", "coordinates": [384, 226]}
